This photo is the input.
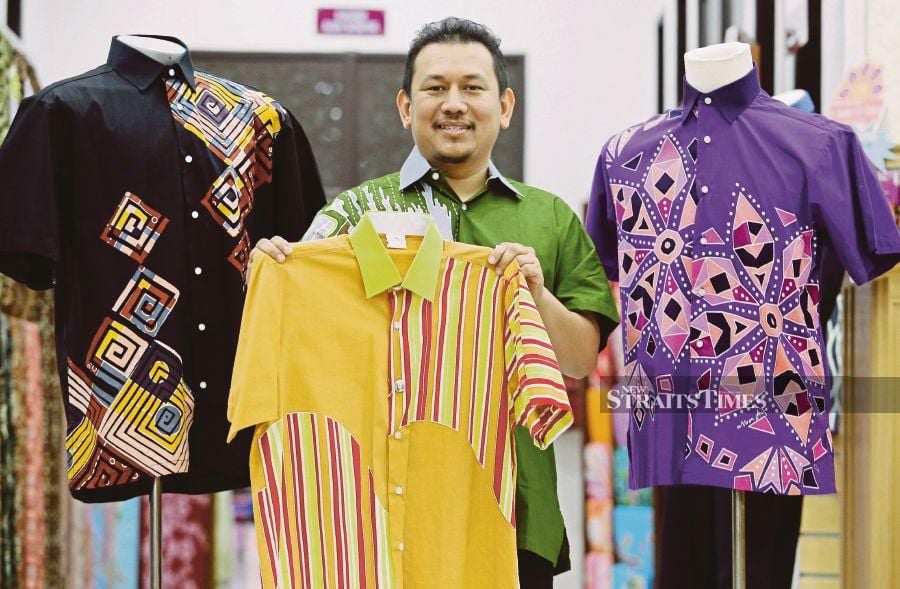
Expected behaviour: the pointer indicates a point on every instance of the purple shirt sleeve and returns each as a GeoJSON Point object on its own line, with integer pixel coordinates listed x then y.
{"type": "Point", "coordinates": [848, 202]}
{"type": "Point", "coordinates": [601, 220]}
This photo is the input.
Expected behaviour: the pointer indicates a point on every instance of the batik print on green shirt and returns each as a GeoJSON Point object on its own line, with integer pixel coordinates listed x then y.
{"type": "Point", "coordinates": [504, 211]}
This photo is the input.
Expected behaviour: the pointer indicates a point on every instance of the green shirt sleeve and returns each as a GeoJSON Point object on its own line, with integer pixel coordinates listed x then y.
{"type": "Point", "coordinates": [332, 219]}
{"type": "Point", "coordinates": [581, 283]}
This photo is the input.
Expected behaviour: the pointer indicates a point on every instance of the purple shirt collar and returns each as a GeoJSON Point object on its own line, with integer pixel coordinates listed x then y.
{"type": "Point", "coordinates": [730, 100]}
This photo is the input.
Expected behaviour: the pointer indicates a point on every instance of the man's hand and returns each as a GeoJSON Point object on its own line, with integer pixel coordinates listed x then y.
{"type": "Point", "coordinates": [277, 248]}
{"type": "Point", "coordinates": [505, 253]}
{"type": "Point", "coordinates": [575, 336]}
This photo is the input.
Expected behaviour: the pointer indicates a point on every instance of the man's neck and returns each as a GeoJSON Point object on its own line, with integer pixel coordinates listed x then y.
{"type": "Point", "coordinates": [466, 181]}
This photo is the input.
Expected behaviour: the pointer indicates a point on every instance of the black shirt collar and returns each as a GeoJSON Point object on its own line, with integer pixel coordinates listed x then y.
{"type": "Point", "coordinates": [731, 99]}
{"type": "Point", "coordinates": [141, 70]}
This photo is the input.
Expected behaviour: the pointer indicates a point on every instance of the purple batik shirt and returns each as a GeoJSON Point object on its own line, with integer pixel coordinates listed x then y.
{"type": "Point", "coordinates": [714, 218]}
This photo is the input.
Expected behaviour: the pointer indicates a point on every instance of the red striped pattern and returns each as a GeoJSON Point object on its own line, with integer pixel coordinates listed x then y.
{"type": "Point", "coordinates": [305, 478]}
{"type": "Point", "coordinates": [495, 318]}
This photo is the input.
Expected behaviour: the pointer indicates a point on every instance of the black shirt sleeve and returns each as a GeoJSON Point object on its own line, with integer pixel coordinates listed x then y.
{"type": "Point", "coordinates": [32, 178]}
{"type": "Point", "coordinates": [297, 187]}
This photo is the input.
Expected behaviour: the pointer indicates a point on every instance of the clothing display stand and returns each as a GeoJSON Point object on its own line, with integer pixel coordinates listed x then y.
{"type": "Point", "coordinates": [156, 535]}
{"type": "Point", "coordinates": [738, 537]}
{"type": "Point", "coordinates": [167, 53]}
{"type": "Point", "coordinates": [708, 69]}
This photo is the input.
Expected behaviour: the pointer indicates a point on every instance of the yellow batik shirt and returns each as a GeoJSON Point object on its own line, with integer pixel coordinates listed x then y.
{"type": "Point", "coordinates": [384, 385]}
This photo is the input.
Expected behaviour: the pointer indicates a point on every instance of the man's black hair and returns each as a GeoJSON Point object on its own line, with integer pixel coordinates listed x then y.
{"type": "Point", "coordinates": [455, 30]}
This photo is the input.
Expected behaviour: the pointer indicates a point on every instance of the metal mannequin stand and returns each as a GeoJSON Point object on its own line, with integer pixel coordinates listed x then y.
{"type": "Point", "coordinates": [738, 540]}
{"type": "Point", "coordinates": [156, 535]}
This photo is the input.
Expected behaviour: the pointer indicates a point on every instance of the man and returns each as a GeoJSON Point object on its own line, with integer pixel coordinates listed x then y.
{"type": "Point", "coordinates": [455, 99]}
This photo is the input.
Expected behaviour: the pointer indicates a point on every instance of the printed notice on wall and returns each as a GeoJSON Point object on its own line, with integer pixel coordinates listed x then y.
{"type": "Point", "coordinates": [350, 21]}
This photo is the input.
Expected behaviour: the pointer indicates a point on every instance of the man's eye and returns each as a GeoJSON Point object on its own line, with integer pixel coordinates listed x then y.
{"type": "Point", "coordinates": [473, 88]}
{"type": "Point", "coordinates": [434, 88]}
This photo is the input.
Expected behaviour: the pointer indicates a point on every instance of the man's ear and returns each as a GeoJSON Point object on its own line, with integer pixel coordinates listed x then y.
{"type": "Point", "coordinates": [507, 106]}
{"type": "Point", "coordinates": [404, 106]}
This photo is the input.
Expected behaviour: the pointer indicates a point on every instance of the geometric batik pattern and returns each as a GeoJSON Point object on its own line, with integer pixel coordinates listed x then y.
{"type": "Point", "coordinates": [759, 331]}
{"type": "Point", "coordinates": [134, 413]}
{"type": "Point", "coordinates": [134, 228]}
{"type": "Point", "coordinates": [149, 431]}
{"type": "Point", "coordinates": [238, 127]}
{"type": "Point", "coordinates": [655, 215]}
{"type": "Point", "coordinates": [240, 255]}
{"type": "Point", "coordinates": [773, 340]}
{"type": "Point", "coordinates": [129, 405]}
{"type": "Point", "coordinates": [112, 357]}
{"type": "Point", "coordinates": [105, 468]}
{"type": "Point", "coordinates": [735, 301]}
{"type": "Point", "coordinates": [147, 301]}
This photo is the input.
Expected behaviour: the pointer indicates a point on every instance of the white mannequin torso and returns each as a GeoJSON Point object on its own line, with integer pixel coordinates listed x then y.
{"type": "Point", "coordinates": [165, 52]}
{"type": "Point", "coordinates": [712, 67]}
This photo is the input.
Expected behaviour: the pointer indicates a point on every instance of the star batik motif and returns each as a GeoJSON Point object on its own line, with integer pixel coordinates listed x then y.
{"type": "Point", "coordinates": [656, 223]}
{"type": "Point", "coordinates": [756, 324]}
{"type": "Point", "coordinates": [725, 309]}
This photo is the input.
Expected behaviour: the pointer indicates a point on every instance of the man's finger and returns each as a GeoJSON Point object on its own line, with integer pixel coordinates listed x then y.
{"type": "Point", "coordinates": [497, 252]}
{"type": "Point", "coordinates": [270, 249]}
{"type": "Point", "coordinates": [282, 244]}
{"type": "Point", "coordinates": [509, 254]}
{"type": "Point", "coordinates": [527, 263]}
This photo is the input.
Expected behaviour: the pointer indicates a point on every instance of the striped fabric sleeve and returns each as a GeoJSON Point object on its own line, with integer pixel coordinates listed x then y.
{"type": "Point", "coordinates": [539, 399]}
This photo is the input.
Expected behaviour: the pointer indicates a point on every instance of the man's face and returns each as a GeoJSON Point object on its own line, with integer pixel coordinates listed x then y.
{"type": "Point", "coordinates": [455, 108]}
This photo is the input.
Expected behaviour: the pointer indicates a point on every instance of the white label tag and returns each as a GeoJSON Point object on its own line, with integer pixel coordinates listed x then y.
{"type": "Point", "coordinates": [396, 241]}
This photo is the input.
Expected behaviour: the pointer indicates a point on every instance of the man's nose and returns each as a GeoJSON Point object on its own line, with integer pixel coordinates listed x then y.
{"type": "Point", "coordinates": [454, 102]}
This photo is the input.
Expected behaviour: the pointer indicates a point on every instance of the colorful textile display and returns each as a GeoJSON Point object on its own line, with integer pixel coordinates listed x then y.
{"type": "Point", "coordinates": [186, 541]}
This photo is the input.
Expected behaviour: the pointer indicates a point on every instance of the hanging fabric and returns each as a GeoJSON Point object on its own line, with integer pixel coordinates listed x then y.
{"type": "Point", "coordinates": [31, 493]}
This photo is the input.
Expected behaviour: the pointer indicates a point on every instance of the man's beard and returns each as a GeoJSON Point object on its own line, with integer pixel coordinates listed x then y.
{"type": "Point", "coordinates": [453, 159]}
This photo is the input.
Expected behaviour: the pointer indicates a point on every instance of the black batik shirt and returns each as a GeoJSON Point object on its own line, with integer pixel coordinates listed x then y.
{"type": "Point", "coordinates": [137, 190]}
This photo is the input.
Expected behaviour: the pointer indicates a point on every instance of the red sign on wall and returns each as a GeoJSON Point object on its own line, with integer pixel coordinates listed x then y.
{"type": "Point", "coordinates": [350, 21]}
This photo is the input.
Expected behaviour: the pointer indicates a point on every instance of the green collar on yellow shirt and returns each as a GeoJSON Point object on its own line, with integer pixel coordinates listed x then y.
{"type": "Point", "coordinates": [378, 270]}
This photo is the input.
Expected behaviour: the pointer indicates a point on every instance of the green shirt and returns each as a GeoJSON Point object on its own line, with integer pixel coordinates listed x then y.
{"type": "Point", "coordinates": [509, 211]}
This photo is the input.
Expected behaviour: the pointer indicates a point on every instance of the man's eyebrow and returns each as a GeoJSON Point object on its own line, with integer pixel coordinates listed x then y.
{"type": "Point", "coordinates": [442, 78]}
{"type": "Point", "coordinates": [434, 78]}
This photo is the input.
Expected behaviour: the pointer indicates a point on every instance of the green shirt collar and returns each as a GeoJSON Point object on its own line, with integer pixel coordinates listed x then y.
{"type": "Point", "coordinates": [416, 167]}
{"type": "Point", "coordinates": [378, 270]}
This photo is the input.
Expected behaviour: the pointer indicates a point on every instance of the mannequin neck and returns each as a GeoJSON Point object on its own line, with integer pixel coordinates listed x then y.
{"type": "Point", "coordinates": [160, 50]}
{"type": "Point", "coordinates": [710, 68]}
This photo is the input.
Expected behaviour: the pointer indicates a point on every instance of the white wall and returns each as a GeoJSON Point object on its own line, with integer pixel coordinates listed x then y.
{"type": "Point", "coordinates": [590, 64]}
{"type": "Point", "coordinates": [883, 22]}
